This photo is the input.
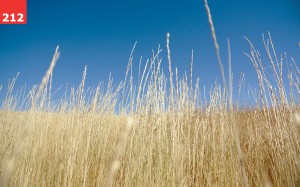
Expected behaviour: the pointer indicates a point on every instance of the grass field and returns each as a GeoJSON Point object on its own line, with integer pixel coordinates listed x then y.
{"type": "Point", "coordinates": [59, 149]}
{"type": "Point", "coordinates": [156, 132]}
{"type": "Point", "coordinates": [153, 139]}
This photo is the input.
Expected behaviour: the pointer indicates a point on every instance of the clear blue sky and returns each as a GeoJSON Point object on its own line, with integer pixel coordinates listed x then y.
{"type": "Point", "coordinates": [101, 34]}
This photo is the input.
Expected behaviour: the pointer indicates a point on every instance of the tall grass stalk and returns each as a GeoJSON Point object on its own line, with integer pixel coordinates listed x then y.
{"type": "Point", "coordinates": [9, 164]}
{"type": "Point", "coordinates": [213, 33]}
{"type": "Point", "coordinates": [235, 132]}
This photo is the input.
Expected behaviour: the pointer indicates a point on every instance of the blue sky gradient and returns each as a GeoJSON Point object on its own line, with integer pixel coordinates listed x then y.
{"type": "Point", "coordinates": [101, 34]}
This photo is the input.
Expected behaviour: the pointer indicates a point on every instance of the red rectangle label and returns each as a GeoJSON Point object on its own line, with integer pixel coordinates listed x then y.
{"type": "Point", "coordinates": [13, 11]}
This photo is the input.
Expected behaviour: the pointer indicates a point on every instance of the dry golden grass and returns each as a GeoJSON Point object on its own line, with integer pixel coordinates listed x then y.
{"type": "Point", "coordinates": [162, 150]}
{"type": "Point", "coordinates": [154, 132]}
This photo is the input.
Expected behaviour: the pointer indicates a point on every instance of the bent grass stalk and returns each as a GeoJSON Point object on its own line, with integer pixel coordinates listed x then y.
{"type": "Point", "coordinates": [9, 165]}
{"type": "Point", "coordinates": [236, 135]}
{"type": "Point", "coordinates": [213, 33]}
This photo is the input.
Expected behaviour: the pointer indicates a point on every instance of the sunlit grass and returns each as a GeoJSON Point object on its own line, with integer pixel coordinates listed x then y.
{"type": "Point", "coordinates": [155, 130]}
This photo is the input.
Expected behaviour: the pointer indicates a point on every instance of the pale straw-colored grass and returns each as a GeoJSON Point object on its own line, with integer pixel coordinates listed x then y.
{"type": "Point", "coordinates": [149, 131]}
